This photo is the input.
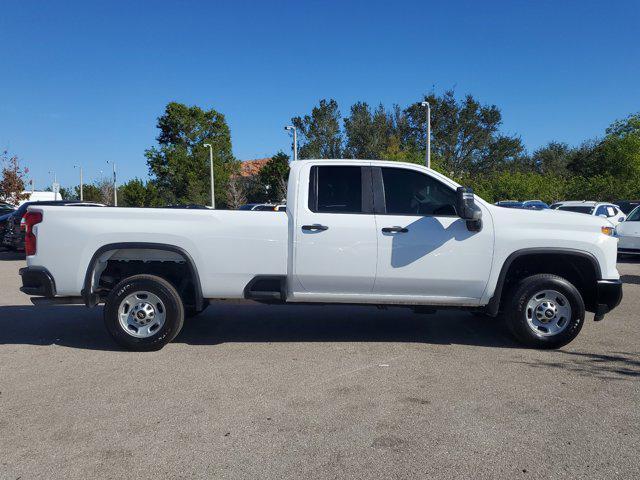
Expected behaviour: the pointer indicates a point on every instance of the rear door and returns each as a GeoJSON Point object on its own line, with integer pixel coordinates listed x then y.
{"type": "Point", "coordinates": [335, 244]}
{"type": "Point", "coordinates": [424, 249]}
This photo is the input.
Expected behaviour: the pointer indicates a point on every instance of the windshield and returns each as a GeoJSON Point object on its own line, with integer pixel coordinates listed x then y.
{"type": "Point", "coordinates": [634, 216]}
{"type": "Point", "coordinates": [577, 209]}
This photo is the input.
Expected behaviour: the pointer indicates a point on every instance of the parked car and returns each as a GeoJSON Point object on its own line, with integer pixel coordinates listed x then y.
{"type": "Point", "coordinates": [628, 233]}
{"type": "Point", "coordinates": [6, 208]}
{"type": "Point", "coordinates": [263, 207]}
{"type": "Point", "coordinates": [534, 205]}
{"type": "Point", "coordinates": [3, 221]}
{"type": "Point", "coordinates": [188, 206]}
{"type": "Point", "coordinates": [14, 226]}
{"type": "Point", "coordinates": [627, 205]}
{"type": "Point", "coordinates": [526, 205]}
{"type": "Point", "coordinates": [600, 209]}
{"type": "Point", "coordinates": [355, 231]}
{"type": "Point", "coordinates": [509, 204]}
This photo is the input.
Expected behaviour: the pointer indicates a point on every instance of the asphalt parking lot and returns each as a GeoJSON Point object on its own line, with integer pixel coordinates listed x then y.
{"type": "Point", "coordinates": [275, 392]}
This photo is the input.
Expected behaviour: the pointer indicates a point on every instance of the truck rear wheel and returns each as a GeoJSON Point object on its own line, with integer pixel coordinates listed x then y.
{"type": "Point", "coordinates": [143, 313]}
{"type": "Point", "coordinates": [545, 311]}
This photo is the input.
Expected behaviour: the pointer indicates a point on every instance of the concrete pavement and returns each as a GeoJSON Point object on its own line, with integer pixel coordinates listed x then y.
{"type": "Point", "coordinates": [279, 392]}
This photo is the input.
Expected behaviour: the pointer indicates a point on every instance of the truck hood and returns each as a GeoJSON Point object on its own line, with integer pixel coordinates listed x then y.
{"type": "Point", "coordinates": [555, 218]}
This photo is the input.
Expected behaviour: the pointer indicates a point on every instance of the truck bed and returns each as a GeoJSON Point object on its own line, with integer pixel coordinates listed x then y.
{"type": "Point", "coordinates": [228, 247]}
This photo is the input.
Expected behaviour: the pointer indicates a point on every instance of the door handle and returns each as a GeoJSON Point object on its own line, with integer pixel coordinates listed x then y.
{"type": "Point", "coordinates": [316, 227]}
{"type": "Point", "coordinates": [395, 230]}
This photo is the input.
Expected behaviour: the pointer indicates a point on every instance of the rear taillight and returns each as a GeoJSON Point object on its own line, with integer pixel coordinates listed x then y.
{"type": "Point", "coordinates": [30, 219]}
{"type": "Point", "coordinates": [22, 224]}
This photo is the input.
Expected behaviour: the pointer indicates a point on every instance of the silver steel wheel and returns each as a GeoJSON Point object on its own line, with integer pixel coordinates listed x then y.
{"type": "Point", "coordinates": [141, 314]}
{"type": "Point", "coordinates": [548, 313]}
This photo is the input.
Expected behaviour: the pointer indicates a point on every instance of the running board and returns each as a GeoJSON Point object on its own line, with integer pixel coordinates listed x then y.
{"type": "Point", "coordinates": [43, 301]}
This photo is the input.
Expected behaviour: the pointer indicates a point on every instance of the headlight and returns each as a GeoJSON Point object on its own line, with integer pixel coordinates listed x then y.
{"type": "Point", "coordinates": [607, 230]}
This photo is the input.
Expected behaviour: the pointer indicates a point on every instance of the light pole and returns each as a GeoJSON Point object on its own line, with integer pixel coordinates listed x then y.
{"type": "Point", "coordinates": [295, 140]}
{"type": "Point", "coordinates": [213, 200]}
{"type": "Point", "coordinates": [55, 191]}
{"type": "Point", "coordinates": [80, 168]}
{"type": "Point", "coordinates": [428, 155]}
{"type": "Point", "coordinates": [115, 186]}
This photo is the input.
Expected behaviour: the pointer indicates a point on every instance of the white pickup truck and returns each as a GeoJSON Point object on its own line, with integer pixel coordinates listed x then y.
{"type": "Point", "coordinates": [355, 231]}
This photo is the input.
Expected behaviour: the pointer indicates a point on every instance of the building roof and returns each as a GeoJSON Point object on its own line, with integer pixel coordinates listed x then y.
{"type": "Point", "coordinates": [249, 168]}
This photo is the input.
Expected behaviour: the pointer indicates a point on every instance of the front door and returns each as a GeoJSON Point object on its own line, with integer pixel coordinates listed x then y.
{"type": "Point", "coordinates": [335, 245]}
{"type": "Point", "coordinates": [424, 249]}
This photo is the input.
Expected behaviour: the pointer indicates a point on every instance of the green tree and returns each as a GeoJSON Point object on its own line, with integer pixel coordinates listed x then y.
{"type": "Point", "coordinates": [136, 193]}
{"type": "Point", "coordinates": [319, 134]}
{"type": "Point", "coordinates": [465, 134]}
{"type": "Point", "coordinates": [369, 134]}
{"type": "Point", "coordinates": [617, 155]}
{"type": "Point", "coordinates": [273, 177]}
{"type": "Point", "coordinates": [179, 165]}
{"type": "Point", "coordinates": [11, 180]}
{"type": "Point", "coordinates": [552, 158]}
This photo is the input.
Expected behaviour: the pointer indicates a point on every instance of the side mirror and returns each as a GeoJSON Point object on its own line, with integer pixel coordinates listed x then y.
{"type": "Point", "coordinates": [467, 209]}
{"type": "Point", "coordinates": [602, 215]}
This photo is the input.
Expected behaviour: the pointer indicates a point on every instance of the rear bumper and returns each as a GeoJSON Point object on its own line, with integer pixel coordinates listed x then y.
{"type": "Point", "coordinates": [609, 296]}
{"type": "Point", "coordinates": [37, 281]}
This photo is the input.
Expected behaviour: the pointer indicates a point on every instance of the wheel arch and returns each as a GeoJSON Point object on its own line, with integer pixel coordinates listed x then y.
{"type": "Point", "coordinates": [91, 298]}
{"type": "Point", "coordinates": [588, 264]}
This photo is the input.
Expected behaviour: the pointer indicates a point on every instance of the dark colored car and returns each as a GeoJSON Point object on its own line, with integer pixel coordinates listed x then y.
{"type": "Point", "coordinates": [190, 206]}
{"type": "Point", "coordinates": [510, 204]}
{"type": "Point", "coordinates": [627, 205]}
{"type": "Point", "coordinates": [13, 233]}
{"type": "Point", "coordinates": [3, 221]}
{"type": "Point", "coordinates": [6, 208]}
{"type": "Point", "coordinates": [534, 205]}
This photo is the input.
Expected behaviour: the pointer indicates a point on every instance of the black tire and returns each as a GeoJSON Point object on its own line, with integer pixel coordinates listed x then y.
{"type": "Point", "coordinates": [172, 309]}
{"type": "Point", "coordinates": [516, 311]}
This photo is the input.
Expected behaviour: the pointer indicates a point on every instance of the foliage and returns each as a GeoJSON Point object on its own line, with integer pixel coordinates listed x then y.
{"type": "Point", "coordinates": [136, 193]}
{"type": "Point", "coordinates": [274, 175]}
{"type": "Point", "coordinates": [12, 180]}
{"type": "Point", "coordinates": [319, 134]}
{"type": "Point", "coordinates": [464, 133]}
{"type": "Point", "coordinates": [179, 165]}
{"type": "Point", "coordinates": [467, 145]}
{"type": "Point", "coordinates": [236, 192]}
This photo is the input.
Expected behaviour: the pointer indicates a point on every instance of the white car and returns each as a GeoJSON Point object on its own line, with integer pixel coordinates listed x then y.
{"type": "Point", "coordinates": [628, 233]}
{"type": "Point", "coordinates": [355, 232]}
{"type": "Point", "coordinates": [606, 210]}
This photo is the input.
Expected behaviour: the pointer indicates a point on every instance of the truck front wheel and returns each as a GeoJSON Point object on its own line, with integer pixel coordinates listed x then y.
{"type": "Point", "coordinates": [143, 313]}
{"type": "Point", "coordinates": [546, 311]}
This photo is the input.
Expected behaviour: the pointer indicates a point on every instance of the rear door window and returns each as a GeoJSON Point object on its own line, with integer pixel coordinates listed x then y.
{"type": "Point", "coordinates": [336, 189]}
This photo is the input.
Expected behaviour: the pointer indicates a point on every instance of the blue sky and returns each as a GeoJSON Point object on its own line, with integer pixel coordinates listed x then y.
{"type": "Point", "coordinates": [83, 82]}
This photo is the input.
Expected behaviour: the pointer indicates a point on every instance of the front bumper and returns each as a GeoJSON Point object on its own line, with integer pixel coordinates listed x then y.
{"type": "Point", "coordinates": [609, 296]}
{"type": "Point", "coordinates": [38, 282]}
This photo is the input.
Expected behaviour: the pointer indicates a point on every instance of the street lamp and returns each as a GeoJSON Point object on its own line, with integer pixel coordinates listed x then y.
{"type": "Point", "coordinates": [115, 186]}
{"type": "Point", "coordinates": [213, 201]}
{"type": "Point", "coordinates": [55, 181]}
{"type": "Point", "coordinates": [295, 140]}
{"type": "Point", "coordinates": [428, 155]}
{"type": "Point", "coordinates": [80, 168]}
